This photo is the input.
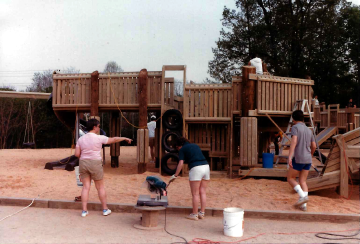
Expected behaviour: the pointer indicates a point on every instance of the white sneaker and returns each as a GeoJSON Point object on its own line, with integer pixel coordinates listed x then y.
{"type": "Point", "coordinates": [106, 212]}
{"type": "Point", "coordinates": [192, 216]}
{"type": "Point", "coordinates": [303, 207]}
{"type": "Point", "coordinates": [301, 201]}
{"type": "Point", "coordinates": [201, 215]}
{"type": "Point", "coordinates": [84, 213]}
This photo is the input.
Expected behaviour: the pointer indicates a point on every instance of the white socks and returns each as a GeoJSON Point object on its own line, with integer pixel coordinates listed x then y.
{"type": "Point", "coordinates": [298, 189]}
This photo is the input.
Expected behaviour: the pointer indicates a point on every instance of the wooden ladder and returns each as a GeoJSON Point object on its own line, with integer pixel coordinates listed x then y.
{"type": "Point", "coordinates": [299, 105]}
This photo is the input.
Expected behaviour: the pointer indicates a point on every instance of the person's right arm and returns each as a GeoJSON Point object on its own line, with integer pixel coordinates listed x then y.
{"type": "Point", "coordinates": [112, 140]}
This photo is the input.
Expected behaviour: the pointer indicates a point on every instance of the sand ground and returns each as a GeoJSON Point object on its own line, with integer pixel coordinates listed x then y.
{"type": "Point", "coordinates": [39, 225]}
{"type": "Point", "coordinates": [22, 174]}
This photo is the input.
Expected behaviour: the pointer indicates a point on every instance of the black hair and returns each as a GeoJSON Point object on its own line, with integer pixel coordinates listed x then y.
{"type": "Point", "coordinates": [298, 115]}
{"type": "Point", "coordinates": [152, 119]}
{"type": "Point", "coordinates": [181, 141]}
{"type": "Point", "coordinates": [91, 123]}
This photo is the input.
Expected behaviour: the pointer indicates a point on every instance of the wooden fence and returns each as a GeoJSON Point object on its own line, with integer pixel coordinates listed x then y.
{"type": "Point", "coordinates": [277, 95]}
{"type": "Point", "coordinates": [206, 102]}
{"type": "Point", "coordinates": [73, 90]}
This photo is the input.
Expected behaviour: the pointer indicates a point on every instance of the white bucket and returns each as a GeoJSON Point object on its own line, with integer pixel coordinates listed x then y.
{"type": "Point", "coordinates": [233, 222]}
{"type": "Point", "coordinates": [78, 182]}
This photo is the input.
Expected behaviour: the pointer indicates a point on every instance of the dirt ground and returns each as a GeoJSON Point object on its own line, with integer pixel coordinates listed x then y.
{"type": "Point", "coordinates": [39, 225]}
{"type": "Point", "coordinates": [22, 175]}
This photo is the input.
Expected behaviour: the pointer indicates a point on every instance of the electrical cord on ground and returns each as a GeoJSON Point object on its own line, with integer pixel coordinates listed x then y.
{"type": "Point", "coordinates": [343, 237]}
{"type": "Point", "coordinates": [23, 208]}
{"type": "Point", "coordinates": [173, 234]}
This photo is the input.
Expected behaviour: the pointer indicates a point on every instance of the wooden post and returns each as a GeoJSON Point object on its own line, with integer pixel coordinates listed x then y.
{"type": "Point", "coordinates": [115, 132]}
{"type": "Point", "coordinates": [142, 95]}
{"type": "Point", "coordinates": [248, 90]}
{"type": "Point", "coordinates": [344, 179]}
{"type": "Point", "coordinates": [94, 109]}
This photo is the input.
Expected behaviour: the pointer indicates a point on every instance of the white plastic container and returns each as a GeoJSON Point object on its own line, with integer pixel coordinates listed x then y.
{"type": "Point", "coordinates": [78, 182]}
{"type": "Point", "coordinates": [233, 222]}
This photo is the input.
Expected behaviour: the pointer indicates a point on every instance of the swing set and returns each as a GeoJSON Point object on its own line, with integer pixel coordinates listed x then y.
{"type": "Point", "coordinates": [27, 143]}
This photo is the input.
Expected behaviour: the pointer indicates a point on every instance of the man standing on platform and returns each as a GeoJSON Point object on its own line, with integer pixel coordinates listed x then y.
{"type": "Point", "coordinates": [302, 148]}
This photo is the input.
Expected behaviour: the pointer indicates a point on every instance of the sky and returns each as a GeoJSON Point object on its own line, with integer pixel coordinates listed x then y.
{"type": "Point", "coordinates": [53, 34]}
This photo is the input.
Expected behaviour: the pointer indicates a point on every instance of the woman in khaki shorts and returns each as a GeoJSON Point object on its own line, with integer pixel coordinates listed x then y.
{"type": "Point", "coordinates": [88, 149]}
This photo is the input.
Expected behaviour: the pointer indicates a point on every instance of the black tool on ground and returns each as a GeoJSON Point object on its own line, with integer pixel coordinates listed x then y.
{"type": "Point", "coordinates": [155, 185]}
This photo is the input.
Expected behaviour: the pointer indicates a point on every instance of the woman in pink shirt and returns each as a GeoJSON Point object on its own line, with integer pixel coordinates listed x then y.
{"type": "Point", "coordinates": [88, 149]}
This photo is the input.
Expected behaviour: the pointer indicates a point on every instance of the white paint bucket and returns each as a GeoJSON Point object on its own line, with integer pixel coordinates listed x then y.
{"type": "Point", "coordinates": [78, 182]}
{"type": "Point", "coordinates": [233, 222]}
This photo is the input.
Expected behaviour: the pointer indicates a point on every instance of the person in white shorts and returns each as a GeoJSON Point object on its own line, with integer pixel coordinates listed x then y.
{"type": "Point", "coordinates": [199, 174]}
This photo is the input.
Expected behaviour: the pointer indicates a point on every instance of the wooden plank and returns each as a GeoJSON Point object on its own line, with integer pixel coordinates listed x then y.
{"type": "Point", "coordinates": [167, 93]}
{"type": "Point", "coordinates": [206, 103]}
{"type": "Point", "coordinates": [263, 95]}
{"type": "Point", "coordinates": [126, 93]}
{"type": "Point", "coordinates": [220, 103]}
{"type": "Point", "coordinates": [279, 98]}
{"type": "Point", "coordinates": [271, 87]}
{"type": "Point", "coordinates": [229, 103]}
{"type": "Point", "coordinates": [224, 104]}
{"type": "Point", "coordinates": [249, 140]}
{"type": "Point", "coordinates": [63, 96]}
{"type": "Point", "coordinates": [218, 138]}
{"type": "Point", "coordinates": [55, 92]}
{"type": "Point", "coordinates": [325, 180]}
{"type": "Point", "coordinates": [275, 97]}
{"type": "Point", "coordinates": [213, 143]}
{"type": "Point", "coordinates": [280, 79]}
{"type": "Point", "coordinates": [254, 143]}
{"type": "Point", "coordinates": [333, 167]}
{"type": "Point", "coordinates": [192, 103]}
{"type": "Point", "coordinates": [267, 105]}
{"type": "Point", "coordinates": [197, 93]}
{"type": "Point", "coordinates": [241, 142]}
{"type": "Point", "coordinates": [108, 91]}
{"type": "Point", "coordinates": [172, 94]}
{"type": "Point", "coordinates": [59, 92]}
{"type": "Point", "coordinates": [258, 99]}
{"type": "Point", "coordinates": [71, 91]}
{"type": "Point", "coordinates": [201, 103]}
{"type": "Point", "coordinates": [216, 103]}
{"type": "Point", "coordinates": [285, 100]}
{"type": "Point", "coordinates": [211, 103]}
{"type": "Point", "coordinates": [223, 138]}
{"type": "Point", "coordinates": [246, 145]}
{"type": "Point", "coordinates": [263, 172]}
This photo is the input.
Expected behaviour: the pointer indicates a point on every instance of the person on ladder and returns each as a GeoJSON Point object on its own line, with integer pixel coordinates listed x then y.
{"type": "Point", "coordinates": [302, 148]}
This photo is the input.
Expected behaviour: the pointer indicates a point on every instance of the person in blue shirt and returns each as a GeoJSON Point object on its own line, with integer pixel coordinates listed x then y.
{"type": "Point", "coordinates": [199, 174]}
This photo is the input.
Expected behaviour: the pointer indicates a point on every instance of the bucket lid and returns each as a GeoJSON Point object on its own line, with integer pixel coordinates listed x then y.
{"type": "Point", "coordinates": [233, 210]}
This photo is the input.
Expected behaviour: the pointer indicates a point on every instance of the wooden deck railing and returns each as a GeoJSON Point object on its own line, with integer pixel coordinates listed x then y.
{"type": "Point", "coordinates": [277, 95]}
{"type": "Point", "coordinates": [236, 93]}
{"type": "Point", "coordinates": [207, 102]}
{"type": "Point", "coordinates": [73, 90]}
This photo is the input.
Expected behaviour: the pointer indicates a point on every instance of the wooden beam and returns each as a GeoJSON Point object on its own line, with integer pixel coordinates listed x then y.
{"type": "Point", "coordinates": [281, 79]}
{"type": "Point", "coordinates": [142, 96]}
{"type": "Point", "coordinates": [353, 153]}
{"type": "Point", "coordinates": [248, 90]}
{"type": "Point", "coordinates": [174, 67]}
{"type": "Point", "coordinates": [328, 179]}
{"type": "Point", "coordinates": [263, 172]}
{"type": "Point", "coordinates": [94, 109]}
{"type": "Point", "coordinates": [278, 127]}
{"type": "Point", "coordinates": [208, 119]}
{"type": "Point", "coordinates": [33, 95]}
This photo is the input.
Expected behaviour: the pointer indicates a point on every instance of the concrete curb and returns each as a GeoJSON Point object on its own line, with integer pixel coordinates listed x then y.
{"type": "Point", "coordinates": [129, 208]}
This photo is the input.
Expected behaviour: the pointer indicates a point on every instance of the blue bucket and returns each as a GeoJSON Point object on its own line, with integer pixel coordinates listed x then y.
{"type": "Point", "coordinates": [268, 160]}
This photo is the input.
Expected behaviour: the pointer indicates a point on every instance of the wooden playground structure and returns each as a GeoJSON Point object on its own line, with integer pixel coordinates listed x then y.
{"type": "Point", "coordinates": [230, 122]}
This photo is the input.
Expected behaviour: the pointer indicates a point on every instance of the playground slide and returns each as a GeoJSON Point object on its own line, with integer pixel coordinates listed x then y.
{"type": "Point", "coordinates": [326, 134]}
{"type": "Point", "coordinates": [67, 163]}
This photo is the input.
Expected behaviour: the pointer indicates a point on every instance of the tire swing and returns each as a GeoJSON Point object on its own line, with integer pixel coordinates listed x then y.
{"type": "Point", "coordinates": [164, 163]}
{"type": "Point", "coordinates": [172, 119]}
{"type": "Point", "coordinates": [29, 144]}
{"type": "Point", "coordinates": [169, 139]}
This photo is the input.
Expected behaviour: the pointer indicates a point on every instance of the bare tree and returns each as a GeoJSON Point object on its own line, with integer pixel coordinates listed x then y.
{"type": "Point", "coordinates": [112, 66]}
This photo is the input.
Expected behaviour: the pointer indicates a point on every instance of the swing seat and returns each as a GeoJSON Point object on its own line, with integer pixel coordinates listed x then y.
{"type": "Point", "coordinates": [28, 145]}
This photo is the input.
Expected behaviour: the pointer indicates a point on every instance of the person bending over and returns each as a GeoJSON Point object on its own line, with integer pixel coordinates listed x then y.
{"type": "Point", "coordinates": [199, 174]}
{"type": "Point", "coordinates": [302, 148]}
{"type": "Point", "coordinates": [88, 149]}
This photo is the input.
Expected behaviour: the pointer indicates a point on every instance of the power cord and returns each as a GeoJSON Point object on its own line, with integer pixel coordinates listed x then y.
{"type": "Point", "coordinates": [25, 207]}
{"type": "Point", "coordinates": [173, 234]}
{"type": "Point", "coordinates": [344, 237]}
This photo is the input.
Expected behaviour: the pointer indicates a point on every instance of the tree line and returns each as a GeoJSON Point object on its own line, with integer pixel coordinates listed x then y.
{"type": "Point", "coordinates": [296, 38]}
